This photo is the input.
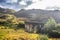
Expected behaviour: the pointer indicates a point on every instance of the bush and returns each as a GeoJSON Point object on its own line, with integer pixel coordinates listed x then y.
{"type": "Point", "coordinates": [54, 34]}
{"type": "Point", "coordinates": [7, 20]}
{"type": "Point", "coordinates": [20, 25]}
{"type": "Point", "coordinates": [43, 37]}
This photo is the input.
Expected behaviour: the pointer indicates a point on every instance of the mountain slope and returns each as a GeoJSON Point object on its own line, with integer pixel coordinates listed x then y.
{"type": "Point", "coordinates": [7, 11]}
{"type": "Point", "coordinates": [39, 15]}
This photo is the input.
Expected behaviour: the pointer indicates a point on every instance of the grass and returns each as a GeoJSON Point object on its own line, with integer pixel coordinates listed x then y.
{"type": "Point", "coordinates": [20, 34]}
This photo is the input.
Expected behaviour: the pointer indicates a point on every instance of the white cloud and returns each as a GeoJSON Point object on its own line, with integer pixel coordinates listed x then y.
{"type": "Point", "coordinates": [43, 4]}
{"type": "Point", "coordinates": [11, 1]}
{"type": "Point", "coordinates": [35, 0]}
{"type": "Point", "coordinates": [23, 3]}
{"type": "Point", "coordinates": [14, 0]}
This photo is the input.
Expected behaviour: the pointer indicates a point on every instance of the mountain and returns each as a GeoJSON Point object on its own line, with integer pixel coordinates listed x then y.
{"type": "Point", "coordinates": [39, 14]}
{"type": "Point", "coordinates": [6, 11]}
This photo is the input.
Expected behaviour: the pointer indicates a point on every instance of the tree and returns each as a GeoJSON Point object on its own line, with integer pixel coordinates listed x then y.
{"type": "Point", "coordinates": [58, 27]}
{"type": "Point", "coordinates": [50, 25]}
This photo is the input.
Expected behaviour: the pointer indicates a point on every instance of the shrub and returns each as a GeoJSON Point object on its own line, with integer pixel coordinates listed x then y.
{"type": "Point", "coordinates": [43, 37]}
{"type": "Point", "coordinates": [20, 25]}
{"type": "Point", "coordinates": [2, 34]}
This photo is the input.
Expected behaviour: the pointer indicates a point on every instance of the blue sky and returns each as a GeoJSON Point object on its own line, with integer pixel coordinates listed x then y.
{"type": "Point", "coordinates": [15, 4]}
{"type": "Point", "coordinates": [29, 4]}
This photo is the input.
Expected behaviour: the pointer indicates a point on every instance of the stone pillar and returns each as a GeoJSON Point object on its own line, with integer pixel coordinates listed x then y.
{"type": "Point", "coordinates": [35, 28]}
{"type": "Point", "coordinates": [27, 27]}
{"type": "Point", "coordinates": [30, 27]}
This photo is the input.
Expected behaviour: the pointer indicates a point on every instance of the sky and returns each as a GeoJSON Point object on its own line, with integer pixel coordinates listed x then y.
{"type": "Point", "coordinates": [15, 4]}
{"type": "Point", "coordinates": [30, 4]}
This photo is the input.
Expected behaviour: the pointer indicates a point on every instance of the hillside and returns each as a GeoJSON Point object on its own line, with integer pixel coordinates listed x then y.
{"type": "Point", "coordinates": [6, 11]}
{"type": "Point", "coordinates": [39, 15]}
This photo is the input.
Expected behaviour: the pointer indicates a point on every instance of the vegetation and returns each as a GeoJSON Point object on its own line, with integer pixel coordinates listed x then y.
{"type": "Point", "coordinates": [20, 34]}
{"type": "Point", "coordinates": [43, 37]}
{"type": "Point", "coordinates": [50, 25]}
{"type": "Point", "coordinates": [12, 28]}
{"type": "Point", "coordinates": [51, 28]}
{"type": "Point", "coordinates": [2, 34]}
{"type": "Point", "coordinates": [10, 25]}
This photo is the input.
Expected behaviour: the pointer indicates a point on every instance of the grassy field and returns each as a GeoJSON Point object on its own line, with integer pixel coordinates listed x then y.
{"type": "Point", "coordinates": [20, 34]}
{"type": "Point", "coordinates": [11, 34]}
